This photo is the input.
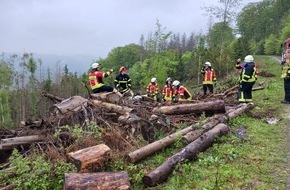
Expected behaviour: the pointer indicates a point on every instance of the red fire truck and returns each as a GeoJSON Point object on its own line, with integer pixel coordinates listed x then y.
{"type": "Point", "coordinates": [286, 51]}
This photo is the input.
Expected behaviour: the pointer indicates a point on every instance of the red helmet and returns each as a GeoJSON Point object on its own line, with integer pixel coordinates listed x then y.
{"type": "Point", "coordinates": [123, 68]}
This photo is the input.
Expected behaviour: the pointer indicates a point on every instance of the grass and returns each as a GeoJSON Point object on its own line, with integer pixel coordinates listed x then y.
{"type": "Point", "coordinates": [260, 162]}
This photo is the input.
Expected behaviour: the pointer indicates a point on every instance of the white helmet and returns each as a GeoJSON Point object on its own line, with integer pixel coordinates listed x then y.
{"type": "Point", "coordinates": [95, 65]}
{"type": "Point", "coordinates": [208, 64]}
{"type": "Point", "coordinates": [175, 83]}
{"type": "Point", "coordinates": [153, 79]}
{"type": "Point", "coordinates": [249, 58]}
{"type": "Point", "coordinates": [169, 79]}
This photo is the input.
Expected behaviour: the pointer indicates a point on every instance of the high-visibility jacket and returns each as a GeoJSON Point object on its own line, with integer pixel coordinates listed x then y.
{"type": "Point", "coordinates": [123, 82]}
{"type": "Point", "coordinates": [183, 93]}
{"type": "Point", "coordinates": [167, 92]}
{"type": "Point", "coordinates": [209, 76]}
{"type": "Point", "coordinates": [152, 89]}
{"type": "Point", "coordinates": [249, 72]}
{"type": "Point", "coordinates": [96, 79]}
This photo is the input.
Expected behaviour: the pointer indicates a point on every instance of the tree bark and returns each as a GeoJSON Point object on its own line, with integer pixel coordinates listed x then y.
{"type": "Point", "coordinates": [161, 173]}
{"type": "Point", "coordinates": [110, 97]}
{"type": "Point", "coordinates": [217, 106]}
{"type": "Point", "coordinates": [32, 138]}
{"type": "Point", "coordinates": [113, 107]}
{"type": "Point", "coordinates": [73, 104]}
{"type": "Point", "coordinates": [99, 181]}
{"type": "Point", "coordinates": [91, 158]}
{"type": "Point", "coordinates": [234, 112]}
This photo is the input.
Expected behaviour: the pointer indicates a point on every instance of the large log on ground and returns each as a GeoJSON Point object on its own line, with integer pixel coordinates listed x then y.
{"type": "Point", "coordinates": [72, 104]}
{"type": "Point", "coordinates": [99, 181]}
{"type": "Point", "coordinates": [91, 158]}
{"type": "Point", "coordinates": [217, 106]}
{"type": "Point", "coordinates": [161, 173]}
{"type": "Point", "coordinates": [10, 143]}
{"type": "Point", "coordinates": [151, 148]}
{"type": "Point", "coordinates": [234, 112]}
{"type": "Point", "coordinates": [123, 110]}
{"type": "Point", "coordinates": [110, 97]}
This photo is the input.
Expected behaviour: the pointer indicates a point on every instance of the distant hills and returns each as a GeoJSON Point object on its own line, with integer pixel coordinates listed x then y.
{"type": "Point", "coordinates": [76, 63]}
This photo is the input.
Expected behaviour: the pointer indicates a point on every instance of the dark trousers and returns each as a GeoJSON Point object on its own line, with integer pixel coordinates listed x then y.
{"type": "Point", "coordinates": [287, 89]}
{"type": "Point", "coordinates": [245, 91]}
{"type": "Point", "coordinates": [103, 89]}
{"type": "Point", "coordinates": [207, 86]}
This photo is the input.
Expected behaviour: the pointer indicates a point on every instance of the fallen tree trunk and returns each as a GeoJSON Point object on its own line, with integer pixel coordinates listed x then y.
{"type": "Point", "coordinates": [217, 106]}
{"type": "Point", "coordinates": [161, 173]}
{"type": "Point", "coordinates": [192, 135]}
{"type": "Point", "coordinates": [123, 110]}
{"type": "Point", "coordinates": [10, 143]}
{"type": "Point", "coordinates": [71, 104]}
{"type": "Point", "coordinates": [99, 181]}
{"type": "Point", "coordinates": [149, 149]}
{"type": "Point", "coordinates": [32, 138]}
{"type": "Point", "coordinates": [91, 158]}
{"type": "Point", "coordinates": [110, 97]}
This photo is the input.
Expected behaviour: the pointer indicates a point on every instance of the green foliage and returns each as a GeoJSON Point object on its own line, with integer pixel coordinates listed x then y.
{"type": "Point", "coordinates": [5, 111]}
{"type": "Point", "coordinates": [271, 45]}
{"type": "Point", "coordinates": [221, 33]}
{"type": "Point", "coordinates": [35, 173]}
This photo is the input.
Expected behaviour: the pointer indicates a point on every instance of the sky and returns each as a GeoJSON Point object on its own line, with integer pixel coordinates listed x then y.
{"type": "Point", "coordinates": [93, 27]}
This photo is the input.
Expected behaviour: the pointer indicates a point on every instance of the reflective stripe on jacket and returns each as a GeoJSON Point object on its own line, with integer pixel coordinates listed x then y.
{"type": "Point", "coordinates": [152, 88]}
{"type": "Point", "coordinates": [96, 79]}
{"type": "Point", "coordinates": [167, 92]}
{"type": "Point", "coordinates": [208, 76]}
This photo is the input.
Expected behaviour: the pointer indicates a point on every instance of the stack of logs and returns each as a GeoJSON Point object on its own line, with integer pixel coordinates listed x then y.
{"type": "Point", "coordinates": [197, 138]}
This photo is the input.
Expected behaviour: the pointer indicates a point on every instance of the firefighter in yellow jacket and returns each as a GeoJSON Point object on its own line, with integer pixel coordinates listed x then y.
{"type": "Point", "coordinates": [209, 78]}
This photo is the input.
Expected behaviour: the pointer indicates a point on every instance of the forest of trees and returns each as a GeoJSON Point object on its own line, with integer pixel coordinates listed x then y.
{"type": "Point", "coordinates": [260, 28]}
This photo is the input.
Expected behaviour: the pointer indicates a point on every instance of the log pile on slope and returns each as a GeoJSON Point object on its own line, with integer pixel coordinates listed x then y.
{"type": "Point", "coordinates": [121, 120]}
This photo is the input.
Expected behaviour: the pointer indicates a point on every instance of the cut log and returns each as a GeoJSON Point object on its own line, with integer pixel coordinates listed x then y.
{"type": "Point", "coordinates": [71, 104]}
{"type": "Point", "coordinates": [161, 173]}
{"type": "Point", "coordinates": [91, 158]}
{"type": "Point", "coordinates": [211, 107]}
{"type": "Point", "coordinates": [99, 181]}
{"type": "Point", "coordinates": [52, 97]}
{"type": "Point", "coordinates": [234, 112]}
{"type": "Point", "coordinates": [8, 187]}
{"type": "Point", "coordinates": [110, 97]}
{"type": "Point", "coordinates": [123, 110]}
{"type": "Point", "coordinates": [10, 143]}
{"type": "Point", "coordinates": [28, 139]}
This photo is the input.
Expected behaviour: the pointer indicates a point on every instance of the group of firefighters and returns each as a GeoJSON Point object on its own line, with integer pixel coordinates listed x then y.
{"type": "Point", "coordinates": [173, 90]}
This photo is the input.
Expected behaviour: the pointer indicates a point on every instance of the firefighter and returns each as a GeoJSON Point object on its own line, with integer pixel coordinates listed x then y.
{"type": "Point", "coordinates": [286, 76]}
{"type": "Point", "coordinates": [96, 79]}
{"type": "Point", "coordinates": [152, 88]}
{"type": "Point", "coordinates": [123, 81]}
{"type": "Point", "coordinates": [209, 78]}
{"type": "Point", "coordinates": [167, 90]}
{"type": "Point", "coordinates": [247, 79]}
{"type": "Point", "coordinates": [181, 93]}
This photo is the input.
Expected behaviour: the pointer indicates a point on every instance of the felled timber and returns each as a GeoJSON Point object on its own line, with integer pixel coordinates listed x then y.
{"type": "Point", "coordinates": [71, 104]}
{"type": "Point", "coordinates": [91, 158]}
{"type": "Point", "coordinates": [161, 173]}
{"type": "Point", "coordinates": [32, 138]}
{"type": "Point", "coordinates": [153, 147]}
{"type": "Point", "coordinates": [52, 97]}
{"type": "Point", "coordinates": [10, 143]}
{"type": "Point", "coordinates": [234, 112]}
{"type": "Point", "coordinates": [110, 97]}
{"type": "Point", "coordinates": [123, 110]}
{"type": "Point", "coordinates": [99, 181]}
{"type": "Point", "coordinates": [8, 187]}
{"type": "Point", "coordinates": [217, 106]}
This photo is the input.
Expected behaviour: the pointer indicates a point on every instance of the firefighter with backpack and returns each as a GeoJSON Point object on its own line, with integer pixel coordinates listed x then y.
{"type": "Point", "coordinates": [247, 79]}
